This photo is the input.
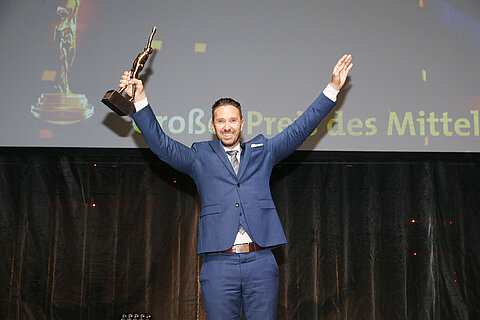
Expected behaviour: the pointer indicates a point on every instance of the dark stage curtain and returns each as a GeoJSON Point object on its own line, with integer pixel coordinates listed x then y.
{"type": "Point", "coordinates": [94, 233]}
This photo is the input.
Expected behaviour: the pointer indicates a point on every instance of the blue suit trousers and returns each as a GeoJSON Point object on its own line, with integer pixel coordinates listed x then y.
{"type": "Point", "coordinates": [236, 282]}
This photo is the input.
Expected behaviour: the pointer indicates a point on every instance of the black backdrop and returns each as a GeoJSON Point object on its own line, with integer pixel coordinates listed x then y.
{"type": "Point", "coordinates": [93, 233]}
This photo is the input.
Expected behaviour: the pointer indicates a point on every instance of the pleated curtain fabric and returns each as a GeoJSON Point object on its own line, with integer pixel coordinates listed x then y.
{"type": "Point", "coordinates": [92, 234]}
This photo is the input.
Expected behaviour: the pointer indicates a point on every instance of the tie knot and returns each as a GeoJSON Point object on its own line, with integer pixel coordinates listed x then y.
{"type": "Point", "coordinates": [232, 153]}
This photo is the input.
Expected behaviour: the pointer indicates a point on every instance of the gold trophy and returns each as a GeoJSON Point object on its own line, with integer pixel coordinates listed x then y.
{"type": "Point", "coordinates": [64, 107]}
{"type": "Point", "coordinates": [114, 99]}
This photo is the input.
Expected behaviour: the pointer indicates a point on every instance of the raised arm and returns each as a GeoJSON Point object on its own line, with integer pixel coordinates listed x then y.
{"type": "Point", "coordinates": [293, 136]}
{"type": "Point", "coordinates": [75, 9]}
{"type": "Point", "coordinates": [167, 149]}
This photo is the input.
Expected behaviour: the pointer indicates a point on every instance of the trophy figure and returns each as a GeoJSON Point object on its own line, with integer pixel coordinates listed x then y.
{"type": "Point", "coordinates": [114, 99]}
{"type": "Point", "coordinates": [64, 107]}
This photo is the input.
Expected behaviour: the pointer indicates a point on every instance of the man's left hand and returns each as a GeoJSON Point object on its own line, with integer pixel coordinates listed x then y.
{"type": "Point", "coordinates": [340, 72]}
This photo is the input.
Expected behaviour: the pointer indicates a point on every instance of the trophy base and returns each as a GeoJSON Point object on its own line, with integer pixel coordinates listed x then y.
{"type": "Point", "coordinates": [118, 103]}
{"type": "Point", "coordinates": [62, 108]}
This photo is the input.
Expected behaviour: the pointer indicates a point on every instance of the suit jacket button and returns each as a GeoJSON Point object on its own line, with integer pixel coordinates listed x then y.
{"type": "Point", "coordinates": [238, 185]}
{"type": "Point", "coordinates": [237, 204]}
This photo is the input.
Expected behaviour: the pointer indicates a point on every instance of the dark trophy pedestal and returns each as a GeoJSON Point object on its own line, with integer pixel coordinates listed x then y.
{"type": "Point", "coordinates": [118, 103]}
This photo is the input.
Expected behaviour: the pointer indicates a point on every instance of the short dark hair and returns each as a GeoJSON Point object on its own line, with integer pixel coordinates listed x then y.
{"type": "Point", "coordinates": [227, 102]}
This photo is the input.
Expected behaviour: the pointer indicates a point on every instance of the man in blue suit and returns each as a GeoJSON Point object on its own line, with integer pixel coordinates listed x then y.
{"type": "Point", "coordinates": [239, 224]}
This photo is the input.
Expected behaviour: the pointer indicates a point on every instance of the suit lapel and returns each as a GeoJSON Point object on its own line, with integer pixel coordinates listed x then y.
{"type": "Point", "coordinates": [244, 158]}
{"type": "Point", "coordinates": [222, 155]}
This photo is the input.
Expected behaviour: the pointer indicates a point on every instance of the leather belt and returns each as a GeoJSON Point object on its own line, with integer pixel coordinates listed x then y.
{"type": "Point", "coordinates": [243, 248]}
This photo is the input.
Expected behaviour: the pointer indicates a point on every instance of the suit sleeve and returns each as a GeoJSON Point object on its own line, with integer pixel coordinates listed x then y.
{"type": "Point", "coordinates": [167, 149]}
{"type": "Point", "coordinates": [293, 136]}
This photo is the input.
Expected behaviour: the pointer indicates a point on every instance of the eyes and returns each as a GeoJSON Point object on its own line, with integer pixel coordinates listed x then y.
{"type": "Point", "coordinates": [222, 122]}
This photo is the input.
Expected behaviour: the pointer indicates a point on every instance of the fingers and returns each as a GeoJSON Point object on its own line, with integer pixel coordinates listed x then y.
{"type": "Point", "coordinates": [343, 67]}
{"type": "Point", "coordinates": [350, 66]}
{"type": "Point", "coordinates": [340, 71]}
{"type": "Point", "coordinates": [126, 80]}
{"type": "Point", "coordinates": [339, 64]}
{"type": "Point", "coordinates": [343, 64]}
{"type": "Point", "coordinates": [127, 83]}
{"type": "Point", "coordinates": [348, 63]}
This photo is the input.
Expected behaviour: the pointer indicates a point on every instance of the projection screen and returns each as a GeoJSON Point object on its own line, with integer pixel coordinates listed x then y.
{"type": "Point", "coordinates": [414, 86]}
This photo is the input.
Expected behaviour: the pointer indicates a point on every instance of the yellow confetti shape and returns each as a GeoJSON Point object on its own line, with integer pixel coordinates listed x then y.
{"type": "Point", "coordinates": [49, 75]}
{"type": "Point", "coordinates": [157, 44]}
{"type": "Point", "coordinates": [420, 3]}
{"type": "Point", "coordinates": [200, 47]}
{"type": "Point", "coordinates": [424, 75]}
{"type": "Point", "coordinates": [425, 142]}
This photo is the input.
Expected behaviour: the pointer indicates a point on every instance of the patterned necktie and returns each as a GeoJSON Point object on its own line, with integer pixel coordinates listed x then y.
{"type": "Point", "coordinates": [234, 160]}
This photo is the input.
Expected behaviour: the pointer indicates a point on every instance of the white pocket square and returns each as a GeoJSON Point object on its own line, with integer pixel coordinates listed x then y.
{"type": "Point", "coordinates": [254, 145]}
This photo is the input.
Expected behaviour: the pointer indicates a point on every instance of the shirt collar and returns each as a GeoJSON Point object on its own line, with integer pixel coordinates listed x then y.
{"type": "Point", "coordinates": [238, 148]}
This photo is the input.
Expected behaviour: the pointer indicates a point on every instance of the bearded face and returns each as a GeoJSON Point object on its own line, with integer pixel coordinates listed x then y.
{"type": "Point", "coordinates": [228, 125]}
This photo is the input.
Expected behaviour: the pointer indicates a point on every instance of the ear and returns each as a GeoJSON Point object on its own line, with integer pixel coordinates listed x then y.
{"type": "Point", "coordinates": [241, 124]}
{"type": "Point", "coordinates": [213, 127]}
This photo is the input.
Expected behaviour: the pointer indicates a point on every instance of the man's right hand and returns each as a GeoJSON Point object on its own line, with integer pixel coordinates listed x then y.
{"type": "Point", "coordinates": [126, 81]}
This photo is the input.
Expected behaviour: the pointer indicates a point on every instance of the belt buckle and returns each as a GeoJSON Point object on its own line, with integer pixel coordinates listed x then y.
{"type": "Point", "coordinates": [242, 248]}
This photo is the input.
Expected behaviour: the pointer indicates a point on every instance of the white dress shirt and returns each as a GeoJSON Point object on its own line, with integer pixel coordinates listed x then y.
{"type": "Point", "coordinates": [241, 237]}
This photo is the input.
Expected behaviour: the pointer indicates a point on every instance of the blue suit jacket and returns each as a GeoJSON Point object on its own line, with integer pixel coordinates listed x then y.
{"type": "Point", "coordinates": [224, 194]}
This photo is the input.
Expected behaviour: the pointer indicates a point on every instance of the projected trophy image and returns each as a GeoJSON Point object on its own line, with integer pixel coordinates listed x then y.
{"type": "Point", "coordinates": [115, 100]}
{"type": "Point", "coordinates": [64, 107]}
